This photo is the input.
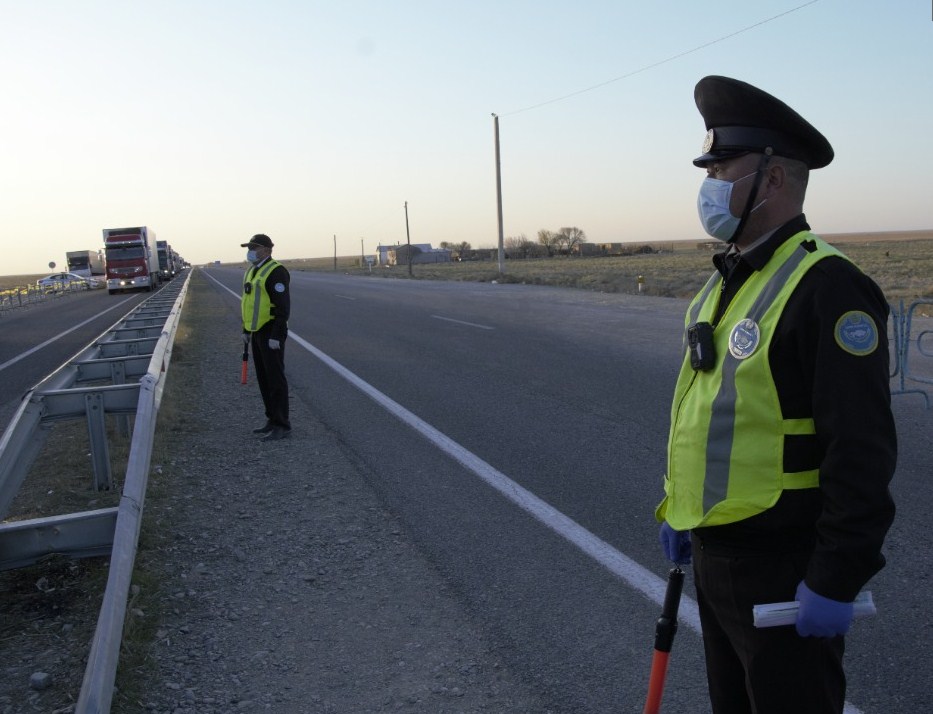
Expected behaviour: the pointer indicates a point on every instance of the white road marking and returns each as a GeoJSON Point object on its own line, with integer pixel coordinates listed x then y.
{"type": "Point", "coordinates": [462, 322]}
{"type": "Point", "coordinates": [49, 341]}
{"type": "Point", "coordinates": [620, 565]}
{"type": "Point", "coordinates": [344, 297]}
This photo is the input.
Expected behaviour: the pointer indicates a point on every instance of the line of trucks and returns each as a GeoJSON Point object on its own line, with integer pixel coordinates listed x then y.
{"type": "Point", "coordinates": [132, 259]}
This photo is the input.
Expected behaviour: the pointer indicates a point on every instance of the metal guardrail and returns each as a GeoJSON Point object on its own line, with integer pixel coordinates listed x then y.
{"type": "Point", "coordinates": [905, 368]}
{"type": "Point", "coordinates": [134, 356]}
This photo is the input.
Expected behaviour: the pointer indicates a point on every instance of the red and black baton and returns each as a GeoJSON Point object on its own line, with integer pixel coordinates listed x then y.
{"type": "Point", "coordinates": [664, 633]}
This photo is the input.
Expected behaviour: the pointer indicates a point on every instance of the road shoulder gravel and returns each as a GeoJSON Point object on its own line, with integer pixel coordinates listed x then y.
{"type": "Point", "coordinates": [278, 580]}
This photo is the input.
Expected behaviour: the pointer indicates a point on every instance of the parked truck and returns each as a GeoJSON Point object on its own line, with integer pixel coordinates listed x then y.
{"type": "Point", "coordinates": [132, 262]}
{"type": "Point", "coordinates": [85, 263]}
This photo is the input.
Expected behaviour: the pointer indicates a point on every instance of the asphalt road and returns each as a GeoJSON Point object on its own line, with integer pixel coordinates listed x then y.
{"type": "Point", "coordinates": [35, 340]}
{"type": "Point", "coordinates": [566, 395]}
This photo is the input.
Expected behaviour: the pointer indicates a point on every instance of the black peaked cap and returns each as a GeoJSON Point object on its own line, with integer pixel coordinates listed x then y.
{"type": "Point", "coordinates": [259, 239]}
{"type": "Point", "coordinates": [743, 119]}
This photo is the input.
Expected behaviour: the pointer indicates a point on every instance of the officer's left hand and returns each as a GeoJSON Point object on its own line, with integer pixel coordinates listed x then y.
{"type": "Point", "coordinates": [275, 345]}
{"type": "Point", "coordinates": [819, 616]}
{"type": "Point", "coordinates": [676, 544]}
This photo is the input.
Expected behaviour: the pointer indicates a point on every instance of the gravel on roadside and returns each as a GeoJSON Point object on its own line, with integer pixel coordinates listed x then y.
{"type": "Point", "coordinates": [277, 580]}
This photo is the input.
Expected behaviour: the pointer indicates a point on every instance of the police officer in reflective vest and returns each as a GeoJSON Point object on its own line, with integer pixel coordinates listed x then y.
{"type": "Point", "coordinates": [265, 305]}
{"type": "Point", "coordinates": [782, 441]}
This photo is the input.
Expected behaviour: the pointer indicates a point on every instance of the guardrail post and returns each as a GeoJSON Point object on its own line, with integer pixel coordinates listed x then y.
{"type": "Point", "coordinates": [123, 421]}
{"type": "Point", "coordinates": [97, 435]}
{"type": "Point", "coordinates": [118, 374]}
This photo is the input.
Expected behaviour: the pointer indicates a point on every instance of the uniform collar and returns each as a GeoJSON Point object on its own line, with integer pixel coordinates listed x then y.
{"type": "Point", "coordinates": [254, 268]}
{"type": "Point", "coordinates": [759, 253]}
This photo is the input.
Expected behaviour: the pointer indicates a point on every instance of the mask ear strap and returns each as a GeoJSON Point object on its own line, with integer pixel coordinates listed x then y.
{"type": "Point", "coordinates": [762, 164]}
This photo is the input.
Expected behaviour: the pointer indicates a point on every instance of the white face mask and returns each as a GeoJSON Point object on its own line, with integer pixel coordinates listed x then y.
{"type": "Point", "coordinates": [251, 256]}
{"type": "Point", "coordinates": [713, 206]}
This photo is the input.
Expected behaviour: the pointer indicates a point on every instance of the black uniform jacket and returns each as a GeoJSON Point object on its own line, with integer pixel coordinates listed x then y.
{"type": "Point", "coordinates": [845, 520]}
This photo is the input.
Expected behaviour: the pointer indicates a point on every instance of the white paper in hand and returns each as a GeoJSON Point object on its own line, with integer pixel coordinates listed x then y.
{"type": "Point", "coordinates": [785, 613]}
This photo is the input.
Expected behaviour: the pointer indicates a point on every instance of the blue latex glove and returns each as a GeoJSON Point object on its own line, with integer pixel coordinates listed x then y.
{"type": "Point", "coordinates": [676, 544]}
{"type": "Point", "coordinates": [275, 345]}
{"type": "Point", "coordinates": [819, 616]}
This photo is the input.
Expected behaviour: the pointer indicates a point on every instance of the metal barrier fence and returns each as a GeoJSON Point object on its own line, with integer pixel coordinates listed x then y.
{"type": "Point", "coordinates": [909, 367]}
{"type": "Point", "coordinates": [32, 295]}
{"type": "Point", "coordinates": [134, 357]}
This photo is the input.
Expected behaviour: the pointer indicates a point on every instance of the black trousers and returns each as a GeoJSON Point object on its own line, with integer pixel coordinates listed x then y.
{"type": "Point", "coordinates": [270, 373]}
{"type": "Point", "coordinates": [770, 670]}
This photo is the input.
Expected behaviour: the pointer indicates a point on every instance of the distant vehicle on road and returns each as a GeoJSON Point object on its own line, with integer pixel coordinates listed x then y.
{"type": "Point", "coordinates": [85, 262]}
{"type": "Point", "coordinates": [132, 262]}
{"type": "Point", "coordinates": [66, 281]}
{"type": "Point", "coordinates": [169, 263]}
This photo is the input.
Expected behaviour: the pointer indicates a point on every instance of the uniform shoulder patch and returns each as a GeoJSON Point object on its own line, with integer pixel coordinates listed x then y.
{"type": "Point", "coordinates": [279, 287]}
{"type": "Point", "coordinates": [856, 333]}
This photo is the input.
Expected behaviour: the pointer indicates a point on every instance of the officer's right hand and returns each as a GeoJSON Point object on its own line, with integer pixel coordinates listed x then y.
{"type": "Point", "coordinates": [819, 616]}
{"type": "Point", "coordinates": [676, 544]}
{"type": "Point", "coordinates": [245, 338]}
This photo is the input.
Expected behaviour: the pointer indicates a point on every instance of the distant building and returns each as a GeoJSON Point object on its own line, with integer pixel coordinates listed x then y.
{"type": "Point", "coordinates": [383, 252]}
{"type": "Point", "coordinates": [421, 253]}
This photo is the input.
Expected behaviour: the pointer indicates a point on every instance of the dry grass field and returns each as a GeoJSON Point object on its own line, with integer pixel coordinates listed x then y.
{"type": "Point", "coordinates": [900, 262]}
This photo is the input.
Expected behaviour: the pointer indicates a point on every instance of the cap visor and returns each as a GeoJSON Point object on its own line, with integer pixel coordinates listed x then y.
{"type": "Point", "coordinates": [702, 161]}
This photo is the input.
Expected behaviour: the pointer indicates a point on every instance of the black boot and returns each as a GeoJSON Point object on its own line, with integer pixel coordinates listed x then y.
{"type": "Point", "coordinates": [265, 428]}
{"type": "Point", "coordinates": [276, 433]}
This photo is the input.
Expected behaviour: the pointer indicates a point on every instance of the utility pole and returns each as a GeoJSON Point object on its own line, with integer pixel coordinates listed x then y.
{"type": "Point", "coordinates": [408, 235]}
{"type": "Point", "coordinates": [495, 122]}
{"type": "Point", "coordinates": [362, 254]}
{"type": "Point", "coordinates": [335, 252]}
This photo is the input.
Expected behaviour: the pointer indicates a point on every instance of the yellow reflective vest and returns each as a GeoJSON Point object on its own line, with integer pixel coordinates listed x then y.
{"type": "Point", "coordinates": [725, 456]}
{"type": "Point", "coordinates": [256, 305]}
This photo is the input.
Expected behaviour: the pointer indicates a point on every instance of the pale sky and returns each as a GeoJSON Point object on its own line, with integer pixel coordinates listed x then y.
{"type": "Point", "coordinates": [212, 120]}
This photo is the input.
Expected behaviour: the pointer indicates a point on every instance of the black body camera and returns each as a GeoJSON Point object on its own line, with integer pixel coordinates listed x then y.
{"type": "Point", "coordinates": [702, 350]}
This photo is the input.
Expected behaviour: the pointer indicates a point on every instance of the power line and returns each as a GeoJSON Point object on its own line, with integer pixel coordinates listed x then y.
{"type": "Point", "coordinates": [664, 61]}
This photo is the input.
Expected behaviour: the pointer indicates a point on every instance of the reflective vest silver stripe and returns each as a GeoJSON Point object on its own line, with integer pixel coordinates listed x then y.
{"type": "Point", "coordinates": [258, 281]}
{"type": "Point", "coordinates": [722, 419]}
{"type": "Point", "coordinates": [715, 279]}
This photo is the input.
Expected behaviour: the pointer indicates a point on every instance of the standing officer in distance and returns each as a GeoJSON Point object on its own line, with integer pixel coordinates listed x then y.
{"type": "Point", "coordinates": [782, 441]}
{"type": "Point", "coordinates": [265, 305]}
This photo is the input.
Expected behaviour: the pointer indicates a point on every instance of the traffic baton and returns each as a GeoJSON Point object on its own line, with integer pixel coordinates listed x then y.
{"type": "Point", "coordinates": [245, 362]}
{"type": "Point", "coordinates": [664, 633]}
